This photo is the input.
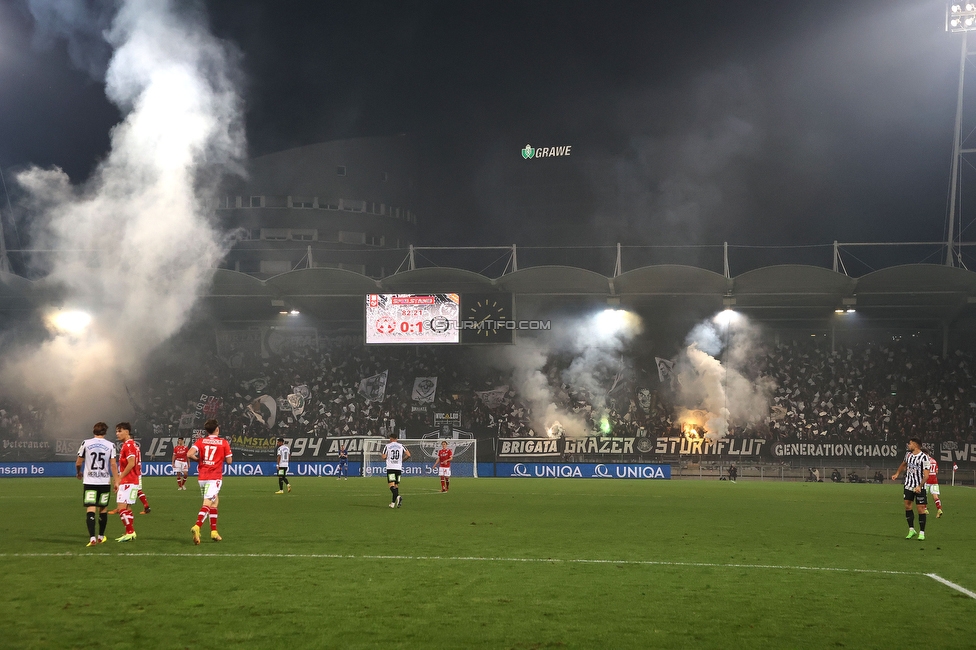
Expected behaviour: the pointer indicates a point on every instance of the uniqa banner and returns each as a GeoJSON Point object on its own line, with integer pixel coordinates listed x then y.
{"type": "Point", "coordinates": [583, 470]}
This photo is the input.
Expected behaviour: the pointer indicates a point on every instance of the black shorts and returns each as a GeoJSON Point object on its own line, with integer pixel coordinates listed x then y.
{"type": "Point", "coordinates": [282, 471]}
{"type": "Point", "coordinates": [96, 495]}
{"type": "Point", "coordinates": [921, 498]}
{"type": "Point", "coordinates": [393, 475]}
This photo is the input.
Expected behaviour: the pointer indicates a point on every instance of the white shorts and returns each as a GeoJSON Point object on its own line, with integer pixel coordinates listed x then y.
{"type": "Point", "coordinates": [127, 494]}
{"type": "Point", "coordinates": [181, 467]}
{"type": "Point", "coordinates": [933, 488]}
{"type": "Point", "coordinates": [210, 489]}
{"type": "Point", "coordinates": [444, 471]}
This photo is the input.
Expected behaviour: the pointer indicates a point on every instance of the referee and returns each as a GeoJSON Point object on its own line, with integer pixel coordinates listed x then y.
{"type": "Point", "coordinates": [916, 467]}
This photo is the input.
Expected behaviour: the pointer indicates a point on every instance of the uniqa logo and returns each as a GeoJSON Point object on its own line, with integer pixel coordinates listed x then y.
{"type": "Point", "coordinates": [600, 471]}
{"type": "Point", "coordinates": [528, 152]}
{"type": "Point", "coordinates": [521, 470]}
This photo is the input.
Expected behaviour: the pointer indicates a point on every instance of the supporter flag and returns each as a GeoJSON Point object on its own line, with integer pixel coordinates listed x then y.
{"type": "Point", "coordinates": [302, 391]}
{"type": "Point", "coordinates": [186, 421]}
{"type": "Point", "coordinates": [424, 389]}
{"type": "Point", "coordinates": [665, 371]}
{"type": "Point", "coordinates": [492, 398]}
{"type": "Point", "coordinates": [211, 406]}
{"type": "Point", "coordinates": [264, 409]}
{"type": "Point", "coordinates": [374, 388]}
{"type": "Point", "coordinates": [297, 404]}
{"type": "Point", "coordinates": [644, 399]}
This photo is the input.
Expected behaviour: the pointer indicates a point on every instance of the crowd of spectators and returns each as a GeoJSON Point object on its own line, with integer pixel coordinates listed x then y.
{"type": "Point", "coordinates": [867, 392]}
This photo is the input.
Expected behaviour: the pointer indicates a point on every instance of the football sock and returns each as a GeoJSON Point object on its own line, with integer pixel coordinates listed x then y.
{"type": "Point", "coordinates": [102, 523]}
{"type": "Point", "coordinates": [203, 514]}
{"type": "Point", "coordinates": [90, 520]}
{"type": "Point", "coordinates": [213, 519]}
{"type": "Point", "coordinates": [142, 497]}
{"type": "Point", "coordinates": [281, 483]}
{"type": "Point", "coordinates": [126, 517]}
{"type": "Point", "coordinates": [396, 492]}
{"type": "Point", "coordinates": [910, 516]}
{"type": "Point", "coordinates": [921, 521]}
{"type": "Point", "coordinates": [938, 504]}
{"type": "Point", "coordinates": [447, 484]}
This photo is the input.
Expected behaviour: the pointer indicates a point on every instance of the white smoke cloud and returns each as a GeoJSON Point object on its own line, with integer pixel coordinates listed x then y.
{"type": "Point", "coordinates": [592, 351]}
{"type": "Point", "coordinates": [136, 242]}
{"type": "Point", "coordinates": [712, 395]}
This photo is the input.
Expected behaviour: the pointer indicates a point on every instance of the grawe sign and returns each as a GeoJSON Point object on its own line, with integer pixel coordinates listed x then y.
{"type": "Point", "coordinates": [530, 152]}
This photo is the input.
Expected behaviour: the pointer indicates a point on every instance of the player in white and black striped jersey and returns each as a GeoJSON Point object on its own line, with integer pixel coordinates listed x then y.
{"type": "Point", "coordinates": [916, 467]}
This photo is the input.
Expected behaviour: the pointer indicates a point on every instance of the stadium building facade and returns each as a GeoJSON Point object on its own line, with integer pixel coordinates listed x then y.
{"type": "Point", "coordinates": [347, 204]}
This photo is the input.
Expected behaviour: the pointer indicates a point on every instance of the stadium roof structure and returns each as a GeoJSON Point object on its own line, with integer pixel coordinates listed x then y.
{"type": "Point", "coordinates": [914, 294]}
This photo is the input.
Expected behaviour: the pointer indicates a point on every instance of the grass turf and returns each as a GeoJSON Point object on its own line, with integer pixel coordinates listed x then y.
{"type": "Point", "coordinates": [491, 564]}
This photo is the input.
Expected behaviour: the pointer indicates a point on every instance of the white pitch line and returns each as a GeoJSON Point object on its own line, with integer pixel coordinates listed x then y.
{"type": "Point", "coordinates": [953, 585]}
{"type": "Point", "coordinates": [437, 558]}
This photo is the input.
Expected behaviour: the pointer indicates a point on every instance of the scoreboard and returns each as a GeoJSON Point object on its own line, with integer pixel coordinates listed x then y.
{"type": "Point", "coordinates": [413, 318]}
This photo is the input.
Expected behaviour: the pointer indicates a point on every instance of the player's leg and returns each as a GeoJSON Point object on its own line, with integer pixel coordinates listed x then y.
{"type": "Point", "coordinates": [281, 482]}
{"type": "Point", "coordinates": [284, 477]}
{"type": "Point", "coordinates": [204, 513]}
{"type": "Point", "coordinates": [102, 524]}
{"type": "Point", "coordinates": [909, 514]}
{"type": "Point", "coordinates": [921, 501]}
{"type": "Point", "coordinates": [394, 493]}
{"type": "Point", "coordinates": [145, 502]}
{"type": "Point", "coordinates": [124, 498]}
{"type": "Point", "coordinates": [214, 502]}
{"type": "Point", "coordinates": [447, 479]}
{"type": "Point", "coordinates": [90, 522]}
{"type": "Point", "coordinates": [934, 489]}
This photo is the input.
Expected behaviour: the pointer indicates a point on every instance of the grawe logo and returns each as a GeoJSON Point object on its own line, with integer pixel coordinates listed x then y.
{"type": "Point", "coordinates": [546, 152]}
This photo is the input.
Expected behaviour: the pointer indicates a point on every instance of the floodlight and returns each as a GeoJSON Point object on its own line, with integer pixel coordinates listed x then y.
{"type": "Point", "coordinates": [838, 311]}
{"type": "Point", "coordinates": [611, 321]}
{"type": "Point", "coordinates": [851, 311]}
{"type": "Point", "coordinates": [294, 312]}
{"type": "Point", "coordinates": [70, 322]}
{"type": "Point", "coordinates": [970, 6]}
{"type": "Point", "coordinates": [283, 313]}
{"type": "Point", "coordinates": [956, 9]}
{"type": "Point", "coordinates": [726, 317]}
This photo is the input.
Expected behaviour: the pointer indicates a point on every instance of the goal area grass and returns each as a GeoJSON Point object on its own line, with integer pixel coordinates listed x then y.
{"type": "Point", "coordinates": [494, 563]}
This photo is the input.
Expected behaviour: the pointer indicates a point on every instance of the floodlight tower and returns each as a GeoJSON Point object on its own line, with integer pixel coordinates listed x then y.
{"type": "Point", "coordinates": [959, 18]}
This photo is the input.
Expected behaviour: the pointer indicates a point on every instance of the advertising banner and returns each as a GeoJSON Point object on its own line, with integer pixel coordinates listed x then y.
{"type": "Point", "coordinates": [582, 470]}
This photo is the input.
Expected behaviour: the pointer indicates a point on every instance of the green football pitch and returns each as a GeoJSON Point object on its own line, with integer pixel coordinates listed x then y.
{"type": "Point", "coordinates": [494, 563]}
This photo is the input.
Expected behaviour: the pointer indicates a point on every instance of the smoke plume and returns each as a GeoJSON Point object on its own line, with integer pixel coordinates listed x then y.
{"type": "Point", "coordinates": [135, 245]}
{"type": "Point", "coordinates": [578, 361]}
{"type": "Point", "coordinates": [714, 396]}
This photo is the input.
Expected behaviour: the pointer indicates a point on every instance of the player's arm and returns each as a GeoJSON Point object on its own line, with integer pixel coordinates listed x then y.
{"type": "Point", "coordinates": [130, 462]}
{"type": "Point", "coordinates": [80, 461]}
{"type": "Point", "coordinates": [901, 468]}
{"type": "Point", "coordinates": [229, 456]}
{"type": "Point", "coordinates": [114, 468]}
{"type": "Point", "coordinates": [406, 453]}
{"type": "Point", "coordinates": [193, 453]}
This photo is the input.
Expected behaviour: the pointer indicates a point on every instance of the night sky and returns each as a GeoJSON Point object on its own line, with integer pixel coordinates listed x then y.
{"type": "Point", "coordinates": [691, 123]}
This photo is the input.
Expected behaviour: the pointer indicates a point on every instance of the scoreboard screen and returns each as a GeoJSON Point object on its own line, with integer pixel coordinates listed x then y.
{"type": "Point", "coordinates": [412, 318]}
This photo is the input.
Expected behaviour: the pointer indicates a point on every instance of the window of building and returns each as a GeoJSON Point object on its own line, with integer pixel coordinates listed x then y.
{"type": "Point", "coordinates": [249, 266]}
{"type": "Point", "coordinates": [341, 170]}
{"type": "Point", "coordinates": [328, 235]}
{"type": "Point", "coordinates": [255, 233]}
{"type": "Point", "coordinates": [274, 234]}
{"type": "Point", "coordinates": [302, 202]}
{"type": "Point", "coordinates": [328, 204]}
{"type": "Point", "coordinates": [374, 240]}
{"type": "Point", "coordinates": [347, 237]}
{"type": "Point", "coordinates": [257, 202]}
{"type": "Point", "coordinates": [303, 235]}
{"type": "Point", "coordinates": [223, 202]}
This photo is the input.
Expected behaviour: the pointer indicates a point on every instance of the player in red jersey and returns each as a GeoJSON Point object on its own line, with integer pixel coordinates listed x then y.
{"type": "Point", "coordinates": [932, 483]}
{"type": "Point", "coordinates": [130, 476]}
{"type": "Point", "coordinates": [443, 463]}
{"type": "Point", "coordinates": [210, 452]}
{"type": "Point", "coordinates": [181, 464]}
{"type": "Point", "coordinates": [139, 493]}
